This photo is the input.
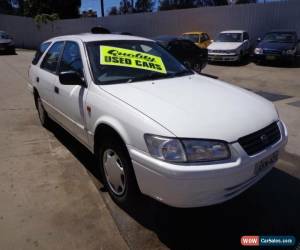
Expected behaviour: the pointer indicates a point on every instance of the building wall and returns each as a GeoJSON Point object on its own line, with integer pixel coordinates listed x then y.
{"type": "Point", "coordinates": [256, 18]}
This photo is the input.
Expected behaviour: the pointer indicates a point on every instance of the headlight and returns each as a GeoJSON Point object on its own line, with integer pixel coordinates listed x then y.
{"type": "Point", "coordinates": [205, 150]}
{"type": "Point", "coordinates": [186, 150]}
{"type": "Point", "coordinates": [289, 51]}
{"type": "Point", "coordinates": [258, 51]}
{"type": "Point", "coordinates": [168, 149]}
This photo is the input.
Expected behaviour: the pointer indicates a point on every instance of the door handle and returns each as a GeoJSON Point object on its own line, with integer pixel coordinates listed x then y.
{"type": "Point", "coordinates": [56, 90]}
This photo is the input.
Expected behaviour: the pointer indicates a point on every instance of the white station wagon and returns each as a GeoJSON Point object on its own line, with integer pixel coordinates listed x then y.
{"type": "Point", "coordinates": [155, 126]}
{"type": "Point", "coordinates": [230, 46]}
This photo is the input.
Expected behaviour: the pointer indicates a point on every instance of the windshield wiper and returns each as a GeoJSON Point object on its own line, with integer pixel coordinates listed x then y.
{"type": "Point", "coordinates": [152, 76]}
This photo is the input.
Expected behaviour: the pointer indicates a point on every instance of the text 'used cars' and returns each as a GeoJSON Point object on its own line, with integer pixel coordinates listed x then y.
{"type": "Point", "coordinates": [155, 126]}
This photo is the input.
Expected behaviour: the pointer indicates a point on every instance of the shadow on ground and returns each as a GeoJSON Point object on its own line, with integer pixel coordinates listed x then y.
{"type": "Point", "coordinates": [272, 207]}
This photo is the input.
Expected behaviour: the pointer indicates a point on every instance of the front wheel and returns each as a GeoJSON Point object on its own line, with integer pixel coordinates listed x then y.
{"type": "Point", "coordinates": [117, 171]}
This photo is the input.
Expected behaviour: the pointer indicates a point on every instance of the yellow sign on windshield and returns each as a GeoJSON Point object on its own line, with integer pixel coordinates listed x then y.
{"type": "Point", "coordinates": [130, 58]}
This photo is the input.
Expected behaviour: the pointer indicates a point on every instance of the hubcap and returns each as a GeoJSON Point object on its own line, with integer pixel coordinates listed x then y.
{"type": "Point", "coordinates": [41, 111]}
{"type": "Point", "coordinates": [114, 172]}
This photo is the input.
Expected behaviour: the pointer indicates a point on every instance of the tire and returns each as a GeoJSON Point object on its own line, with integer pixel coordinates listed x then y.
{"type": "Point", "coordinates": [117, 171]}
{"type": "Point", "coordinates": [43, 116]}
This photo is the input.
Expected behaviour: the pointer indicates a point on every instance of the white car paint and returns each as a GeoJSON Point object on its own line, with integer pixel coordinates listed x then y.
{"type": "Point", "coordinates": [185, 107]}
{"type": "Point", "coordinates": [229, 51]}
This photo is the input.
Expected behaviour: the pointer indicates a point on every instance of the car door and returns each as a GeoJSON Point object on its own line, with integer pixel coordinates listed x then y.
{"type": "Point", "coordinates": [46, 76]}
{"type": "Point", "coordinates": [70, 99]}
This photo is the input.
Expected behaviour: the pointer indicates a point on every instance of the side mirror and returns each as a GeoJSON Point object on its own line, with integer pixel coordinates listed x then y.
{"type": "Point", "coordinates": [71, 78]}
{"type": "Point", "coordinates": [187, 64]}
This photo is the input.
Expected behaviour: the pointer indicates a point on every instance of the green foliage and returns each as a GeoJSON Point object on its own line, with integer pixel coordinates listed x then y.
{"type": "Point", "coordinates": [170, 5]}
{"type": "Point", "coordinates": [144, 6]}
{"type": "Point", "coordinates": [245, 1]}
{"type": "Point", "coordinates": [45, 18]}
{"type": "Point", "coordinates": [64, 8]}
{"type": "Point", "coordinates": [183, 4]}
{"type": "Point", "coordinates": [5, 8]}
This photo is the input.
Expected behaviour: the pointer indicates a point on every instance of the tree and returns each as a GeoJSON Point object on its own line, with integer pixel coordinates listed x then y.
{"type": "Point", "coordinates": [220, 2]}
{"type": "Point", "coordinates": [5, 7]}
{"type": "Point", "coordinates": [144, 6]}
{"type": "Point", "coordinates": [245, 1]}
{"type": "Point", "coordinates": [125, 7]}
{"type": "Point", "coordinates": [64, 9]}
{"type": "Point", "coordinates": [176, 4]}
{"type": "Point", "coordinates": [113, 11]}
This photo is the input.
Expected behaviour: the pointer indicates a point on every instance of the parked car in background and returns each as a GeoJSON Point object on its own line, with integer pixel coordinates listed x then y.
{"type": "Point", "coordinates": [185, 51]}
{"type": "Point", "coordinates": [155, 126]}
{"type": "Point", "coordinates": [201, 39]}
{"type": "Point", "coordinates": [230, 45]}
{"type": "Point", "coordinates": [7, 44]}
{"type": "Point", "coordinates": [278, 45]}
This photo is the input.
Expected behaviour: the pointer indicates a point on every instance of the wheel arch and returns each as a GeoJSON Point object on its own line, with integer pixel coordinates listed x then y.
{"type": "Point", "coordinates": [109, 126]}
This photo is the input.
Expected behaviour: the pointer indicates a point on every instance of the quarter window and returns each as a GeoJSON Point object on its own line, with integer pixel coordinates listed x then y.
{"type": "Point", "coordinates": [50, 61]}
{"type": "Point", "coordinates": [40, 51]}
{"type": "Point", "coordinates": [71, 59]}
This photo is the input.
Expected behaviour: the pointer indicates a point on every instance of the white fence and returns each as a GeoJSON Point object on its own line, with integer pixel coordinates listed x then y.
{"type": "Point", "coordinates": [256, 18]}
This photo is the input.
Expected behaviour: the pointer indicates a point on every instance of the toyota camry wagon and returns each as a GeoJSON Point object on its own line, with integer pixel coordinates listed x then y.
{"type": "Point", "coordinates": [155, 126]}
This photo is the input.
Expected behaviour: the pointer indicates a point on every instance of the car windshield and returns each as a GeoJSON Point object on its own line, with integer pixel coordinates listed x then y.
{"type": "Point", "coordinates": [192, 37]}
{"type": "Point", "coordinates": [3, 35]}
{"type": "Point", "coordinates": [125, 61]}
{"type": "Point", "coordinates": [229, 37]}
{"type": "Point", "coordinates": [280, 37]}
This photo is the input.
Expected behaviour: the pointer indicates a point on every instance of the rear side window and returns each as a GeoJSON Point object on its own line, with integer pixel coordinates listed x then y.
{"type": "Point", "coordinates": [40, 51]}
{"type": "Point", "coordinates": [50, 61]}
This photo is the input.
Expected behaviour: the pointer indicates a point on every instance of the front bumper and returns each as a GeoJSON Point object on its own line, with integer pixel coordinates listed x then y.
{"type": "Point", "coordinates": [180, 185]}
{"type": "Point", "coordinates": [6, 47]}
{"type": "Point", "coordinates": [274, 57]}
{"type": "Point", "coordinates": [223, 57]}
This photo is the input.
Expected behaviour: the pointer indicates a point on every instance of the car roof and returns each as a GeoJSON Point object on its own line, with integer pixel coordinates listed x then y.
{"type": "Point", "coordinates": [193, 32]}
{"type": "Point", "coordinates": [89, 37]}
{"type": "Point", "coordinates": [233, 31]}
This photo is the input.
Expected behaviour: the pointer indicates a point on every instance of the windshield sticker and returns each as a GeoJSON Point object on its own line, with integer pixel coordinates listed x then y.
{"type": "Point", "coordinates": [130, 58]}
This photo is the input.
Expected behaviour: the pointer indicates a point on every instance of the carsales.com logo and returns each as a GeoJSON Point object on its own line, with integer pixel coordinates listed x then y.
{"type": "Point", "coordinates": [277, 241]}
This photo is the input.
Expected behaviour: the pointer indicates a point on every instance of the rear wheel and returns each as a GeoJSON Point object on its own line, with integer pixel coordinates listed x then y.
{"type": "Point", "coordinates": [117, 171]}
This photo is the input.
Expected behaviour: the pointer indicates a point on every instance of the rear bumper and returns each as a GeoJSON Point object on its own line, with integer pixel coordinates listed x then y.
{"type": "Point", "coordinates": [223, 57]}
{"type": "Point", "coordinates": [200, 185]}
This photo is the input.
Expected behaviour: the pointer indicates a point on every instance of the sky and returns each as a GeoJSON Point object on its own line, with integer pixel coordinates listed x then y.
{"type": "Point", "coordinates": [95, 4]}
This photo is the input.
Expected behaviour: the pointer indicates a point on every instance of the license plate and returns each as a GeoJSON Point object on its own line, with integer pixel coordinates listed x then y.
{"type": "Point", "coordinates": [271, 58]}
{"type": "Point", "coordinates": [266, 163]}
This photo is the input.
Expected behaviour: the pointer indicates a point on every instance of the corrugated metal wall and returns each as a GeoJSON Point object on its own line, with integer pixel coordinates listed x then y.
{"type": "Point", "coordinates": [256, 18]}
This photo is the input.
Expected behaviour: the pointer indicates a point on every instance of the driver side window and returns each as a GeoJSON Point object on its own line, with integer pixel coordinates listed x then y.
{"type": "Point", "coordinates": [71, 59]}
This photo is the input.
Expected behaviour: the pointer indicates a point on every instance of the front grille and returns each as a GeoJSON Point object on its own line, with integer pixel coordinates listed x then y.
{"type": "Point", "coordinates": [258, 141]}
{"type": "Point", "coordinates": [219, 51]}
{"type": "Point", "coordinates": [272, 52]}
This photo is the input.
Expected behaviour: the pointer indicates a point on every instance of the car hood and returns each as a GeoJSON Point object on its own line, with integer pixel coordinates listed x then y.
{"type": "Point", "coordinates": [5, 40]}
{"type": "Point", "coordinates": [198, 107]}
{"type": "Point", "coordinates": [276, 46]}
{"type": "Point", "coordinates": [224, 46]}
